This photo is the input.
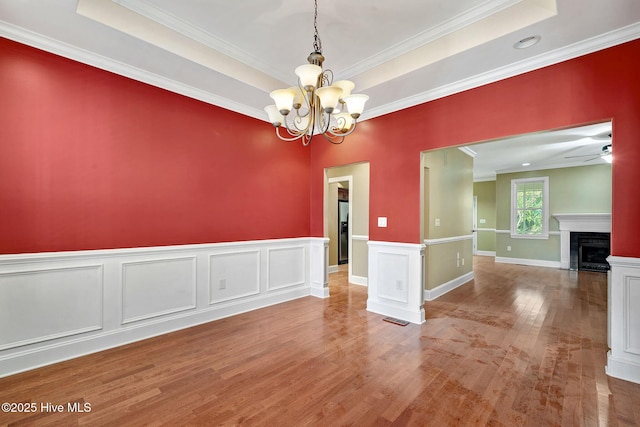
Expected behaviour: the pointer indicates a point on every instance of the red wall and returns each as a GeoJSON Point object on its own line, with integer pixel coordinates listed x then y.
{"type": "Point", "coordinates": [596, 87]}
{"type": "Point", "coordinates": [92, 160]}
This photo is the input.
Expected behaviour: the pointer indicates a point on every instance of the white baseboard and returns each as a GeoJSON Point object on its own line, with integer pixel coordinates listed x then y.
{"type": "Point", "coordinates": [113, 297]}
{"type": "Point", "coordinates": [438, 291]}
{"type": "Point", "coordinates": [530, 262]}
{"type": "Point", "coordinates": [486, 253]}
{"type": "Point", "coordinates": [359, 280]}
{"type": "Point", "coordinates": [333, 269]}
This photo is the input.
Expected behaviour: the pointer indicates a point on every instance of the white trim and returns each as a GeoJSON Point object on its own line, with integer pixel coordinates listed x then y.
{"type": "Point", "coordinates": [585, 47]}
{"type": "Point", "coordinates": [488, 230]}
{"type": "Point", "coordinates": [530, 262]}
{"type": "Point", "coordinates": [360, 237]}
{"type": "Point", "coordinates": [334, 269]}
{"type": "Point", "coordinates": [431, 242]}
{"type": "Point", "coordinates": [623, 359]}
{"type": "Point", "coordinates": [551, 233]}
{"type": "Point", "coordinates": [74, 53]}
{"type": "Point", "coordinates": [359, 280]}
{"type": "Point", "coordinates": [545, 207]}
{"type": "Point", "coordinates": [579, 222]}
{"type": "Point", "coordinates": [300, 259]}
{"type": "Point", "coordinates": [594, 44]}
{"type": "Point", "coordinates": [486, 253]}
{"type": "Point", "coordinates": [438, 291]}
{"type": "Point", "coordinates": [396, 280]}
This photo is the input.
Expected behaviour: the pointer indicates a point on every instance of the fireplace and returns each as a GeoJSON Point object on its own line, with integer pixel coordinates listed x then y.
{"type": "Point", "coordinates": [589, 251]}
{"type": "Point", "coordinates": [583, 223]}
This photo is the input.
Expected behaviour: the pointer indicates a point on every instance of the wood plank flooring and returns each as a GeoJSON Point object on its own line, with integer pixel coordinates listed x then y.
{"type": "Point", "coordinates": [518, 346]}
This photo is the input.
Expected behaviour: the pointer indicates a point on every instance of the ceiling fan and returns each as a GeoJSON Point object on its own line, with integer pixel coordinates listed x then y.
{"type": "Point", "coordinates": [605, 154]}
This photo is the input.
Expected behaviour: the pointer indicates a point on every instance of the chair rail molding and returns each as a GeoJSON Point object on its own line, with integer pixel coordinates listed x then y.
{"type": "Point", "coordinates": [60, 305]}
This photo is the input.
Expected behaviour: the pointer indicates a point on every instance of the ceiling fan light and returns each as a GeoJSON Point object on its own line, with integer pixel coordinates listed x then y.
{"type": "Point", "coordinates": [355, 104]}
{"type": "Point", "coordinates": [283, 99]}
{"type": "Point", "coordinates": [329, 97]}
{"type": "Point", "coordinates": [608, 158]}
{"type": "Point", "coordinates": [308, 75]}
{"type": "Point", "coordinates": [274, 115]}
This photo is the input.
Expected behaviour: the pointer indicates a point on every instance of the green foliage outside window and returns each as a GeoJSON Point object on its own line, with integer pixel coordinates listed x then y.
{"type": "Point", "coordinates": [529, 205]}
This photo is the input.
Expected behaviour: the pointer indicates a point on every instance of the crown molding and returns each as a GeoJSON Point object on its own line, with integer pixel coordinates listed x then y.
{"type": "Point", "coordinates": [454, 24]}
{"type": "Point", "coordinates": [169, 20]}
{"type": "Point", "coordinates": [575, 50]}
{"type": "Point", "coordinates": [65, 50]}
{"type": "Point", "coordinates": [594, 44]}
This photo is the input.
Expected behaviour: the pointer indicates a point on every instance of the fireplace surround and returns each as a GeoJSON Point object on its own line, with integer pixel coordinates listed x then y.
{"type": "Point", "coordinates": [581, 223]}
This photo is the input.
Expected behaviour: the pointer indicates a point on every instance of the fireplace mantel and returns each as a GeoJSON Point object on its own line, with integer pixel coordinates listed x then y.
{"type": "Point", "coordinates": [584, 222]}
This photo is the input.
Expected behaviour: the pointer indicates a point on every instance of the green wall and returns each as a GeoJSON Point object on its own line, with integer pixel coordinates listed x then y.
{"type": "Point", "coordinates": [447, 199]}
{"type": "Point", "coordinates": [583, 189]}
{"type": "Point", "coordinates": [486, 194]}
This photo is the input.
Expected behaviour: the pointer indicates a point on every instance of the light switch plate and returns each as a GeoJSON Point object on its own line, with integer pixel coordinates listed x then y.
{"type": "Point", "coordinates": [382, 221]}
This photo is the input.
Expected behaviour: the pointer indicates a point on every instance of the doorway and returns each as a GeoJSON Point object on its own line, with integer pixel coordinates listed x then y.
{"type": "Point", "coordinates": [343, 226]}
{"type": "Point", "coordinates": [346, 220]}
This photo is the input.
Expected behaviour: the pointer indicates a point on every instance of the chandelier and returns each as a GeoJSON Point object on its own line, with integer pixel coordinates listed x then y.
{"type": "Point", "coordinates": [317, 104]}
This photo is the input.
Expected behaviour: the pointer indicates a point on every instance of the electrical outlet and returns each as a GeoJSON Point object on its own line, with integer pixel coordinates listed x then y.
{"type": "Point", "coordinates": [458, 255]}
{"type": "Point", "coordinates": [462, 261]}
{"type": "Point", "coordinates": [222, 284]}
{"type": "Point", "coordinates": [508, 248]}
{"type": "Point", "coordinates": [437, 222]}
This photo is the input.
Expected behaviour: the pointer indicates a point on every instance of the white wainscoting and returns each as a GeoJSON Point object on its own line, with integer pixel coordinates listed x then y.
{"type": "Point", "coordinates": [61, 305]}
{"type": "Point", "coordinates": [396, 280]}
{"type": "Point", "coordinates": [623, 360]}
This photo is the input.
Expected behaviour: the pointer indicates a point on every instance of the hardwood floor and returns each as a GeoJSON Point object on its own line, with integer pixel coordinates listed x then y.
{"type": "Point", "coordinates": [517, 346]}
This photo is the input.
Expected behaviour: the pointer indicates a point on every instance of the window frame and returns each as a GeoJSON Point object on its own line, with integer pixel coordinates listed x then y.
{"type": "Point", "coordinates": [545, 208]}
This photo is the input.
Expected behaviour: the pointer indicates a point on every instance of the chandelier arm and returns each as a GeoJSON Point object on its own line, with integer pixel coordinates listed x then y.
{"type": "Point", "coordinates": [333, 138]}
{"type": "Point", "coordinates": [284, 138]}
{"type": "Point", "coordinates": [346, 133]}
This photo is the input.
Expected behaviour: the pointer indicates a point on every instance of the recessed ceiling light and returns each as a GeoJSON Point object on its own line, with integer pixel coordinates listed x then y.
{"type": "Point", "coordinates": [527, 42]}
{"type": "Point", "coordinates": [526, 164]}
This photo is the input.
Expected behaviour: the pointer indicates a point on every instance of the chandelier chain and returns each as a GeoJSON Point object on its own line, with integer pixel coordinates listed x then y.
{"type": "Point", "coordinates": [317, 43]}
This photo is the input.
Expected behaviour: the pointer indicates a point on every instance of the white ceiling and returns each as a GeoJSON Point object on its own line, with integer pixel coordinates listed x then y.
{"type": "Point", "coordinates": [400, 53]}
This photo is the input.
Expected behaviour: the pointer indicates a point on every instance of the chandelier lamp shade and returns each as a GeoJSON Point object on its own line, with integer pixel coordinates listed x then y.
{"type": "Point", "coordinates": [317, 105]}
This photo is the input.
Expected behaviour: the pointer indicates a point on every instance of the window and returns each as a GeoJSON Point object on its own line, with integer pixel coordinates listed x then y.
{"type": "Point", "coordinates": [530, 208]}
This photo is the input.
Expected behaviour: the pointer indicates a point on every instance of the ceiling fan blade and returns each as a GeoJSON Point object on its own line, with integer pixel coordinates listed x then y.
{"type": "Point", "coordinates": [583, 155]}
{"type": "Point", "coordinates": [593, 158]}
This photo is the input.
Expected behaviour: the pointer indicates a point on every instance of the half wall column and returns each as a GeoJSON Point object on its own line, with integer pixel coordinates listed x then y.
{"type": "Point", "coordinates": [396, 280]}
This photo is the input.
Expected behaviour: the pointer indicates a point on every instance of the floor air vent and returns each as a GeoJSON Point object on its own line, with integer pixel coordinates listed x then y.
{"type": "Point", "coordinates": [396, 321]}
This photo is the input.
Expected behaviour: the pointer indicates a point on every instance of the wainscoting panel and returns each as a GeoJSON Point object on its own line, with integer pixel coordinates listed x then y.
{"type": "Point", "coordinates": [234, 275]}
{"type": "Point", "coordinates": [396, 280]}
{"type": "Point", "coordinates": [319, 267]}
{"type": "Point", "coordinates": [61, 305]}
{"type": "Point", "coordinates": [158, 287]}
{"type": "Point", "coordinates": [45, 304]}
{"type": "Point", "coordinates": [393, 277]}
{"type": "Point", "coordinates": [632, 315]}
{"type": "Point", "coordinates": [286, 267]}
{"type": "Point", "coordinates": [623, 360]}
